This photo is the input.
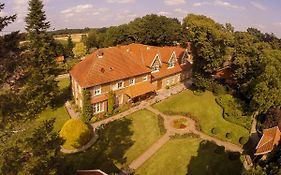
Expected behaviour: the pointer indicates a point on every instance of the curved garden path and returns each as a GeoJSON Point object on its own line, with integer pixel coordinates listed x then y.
{"type": "Point", "coordinates": [168, 120]}
{"type": "Point", "coordinates": [191, 128]}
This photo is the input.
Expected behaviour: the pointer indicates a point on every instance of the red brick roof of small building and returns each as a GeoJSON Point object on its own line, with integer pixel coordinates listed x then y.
{"type": "Point", "coordinates": [269, 139]}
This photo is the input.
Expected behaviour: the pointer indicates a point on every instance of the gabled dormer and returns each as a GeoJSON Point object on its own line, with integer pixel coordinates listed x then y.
{"type": "Point", "coordinates": [156, 63]}
{"type": "Point", "coordinates": [172, 60]}
{"type": "Point", "coordinates": [186, 57]}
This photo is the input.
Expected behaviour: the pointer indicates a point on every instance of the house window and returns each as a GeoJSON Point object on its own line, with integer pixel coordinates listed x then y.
{"type": "Point", "coordinates": [155, 67]}
{"type": "Point", "coordinates": [98, 107]}
{"type": "Point", "coordinates": [120, 84]}
{"type": "Point", "coordinates": [184, 58]}
{"type": "Point", "coordinates": [145, 78]}
{"type": "Point", "coordinates": [168, 82]}
{"type": "Point", "coordinates": [171, 64]}
{"type": "Point", "coordinates": [131, 81]}
{"type": "Point", "coordinates": [97, 90]}
{"type": "Point", "coordinates": [172, 60]}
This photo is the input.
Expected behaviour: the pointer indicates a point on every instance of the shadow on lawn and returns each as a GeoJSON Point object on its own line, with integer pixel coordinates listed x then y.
{"type": "Point", "coordinates": [214, 160]}
{"type": "Point", "coordinates": [114, 139]}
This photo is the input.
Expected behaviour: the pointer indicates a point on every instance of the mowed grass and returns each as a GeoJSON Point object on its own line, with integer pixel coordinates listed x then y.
{"type": "Point", "coordinates": [171, 158]}
{"type": "Point", "coordinates": [191, 156]}
{"type": "Point", "coordinates": [145, 132]}
{"type": "Point", "coordinates": [59, 112]}
{"type": "Point", "coordinates": [119, 143]}
{"type": "Point", "coordinates": [209, 114]}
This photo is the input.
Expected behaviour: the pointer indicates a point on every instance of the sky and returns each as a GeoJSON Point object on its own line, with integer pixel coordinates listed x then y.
{"type": "Point", "coordinates": [262, 14]}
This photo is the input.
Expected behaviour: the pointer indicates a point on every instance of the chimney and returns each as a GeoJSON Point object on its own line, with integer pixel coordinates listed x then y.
{"type": "Point", "coordinates": [147, 48]}
{"type": "Point", "coordinates": [99, 54]}
{"type": "Point", "coordinates": [102, 70]}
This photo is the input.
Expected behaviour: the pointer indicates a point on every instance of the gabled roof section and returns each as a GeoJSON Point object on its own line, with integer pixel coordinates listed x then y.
{"type": "Point", "coordinates": [111, 65]}
{"type": "Point", "coordinates": [269, 139]}
{"type": "Point", "coordinates": [173, 56]}
{"type": "Point", "coordinates": [157, 57]}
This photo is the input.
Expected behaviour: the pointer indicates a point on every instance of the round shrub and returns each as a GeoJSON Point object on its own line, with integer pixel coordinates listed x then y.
{"type": "Point", "coordinates": [215, 131]}
{"type": "Point", "coordinates": [243, 140]}
{"type": "Point", "coordinates": [75, 133]}
{"type": "Point", "coordinates": [229, 135]}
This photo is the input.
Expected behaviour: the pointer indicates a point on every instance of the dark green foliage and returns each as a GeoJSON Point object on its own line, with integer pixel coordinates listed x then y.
{"type": "Point", "coordinates": [37, 154]}
{"type": "Point", "coordinates": [40, 88]}
{"type": "Point", "coordinates": [161, 125]}
{"type": "Point", "coordinates": [209, 45]}
{"type": "Point", "coordinates": [69, 47]}
{"type": "Point", "coordinates": [233, 110]}
{"type": "Point", "coordinates": [111, 102]}
{"type": "Point", "coordinates": [218, 89]}
{"type": "Point", "coordinates": [243, 140]}
{"type": "Point", "coordinates": [87, 109]}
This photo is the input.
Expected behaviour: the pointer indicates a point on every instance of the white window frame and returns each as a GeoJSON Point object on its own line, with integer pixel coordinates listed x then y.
{"type": "Point", "coordinates": [97, 90]}
{"type": "Point", "coordinates": [184, 57]}
{"type": "Point", "coordinates": [98, 107]}
{"type": "Point", "coordinates": [117, 84]}
{"type": "Point", "coordinates": [132, 81]}
{"type": "Point", "coordinates": [145, 78]}
{"type": "Point", "coordinates": [172, 60]}
{"type": "Point", "coordinates": [158, 65]}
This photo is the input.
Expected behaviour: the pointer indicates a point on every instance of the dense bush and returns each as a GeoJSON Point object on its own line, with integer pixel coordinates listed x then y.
{"type": "Point", "coordinates": [87, 109]}
{"type": "Point", "coordinates": [232, 110]}
{"type": "Point", "coordinates": [161, 125]}
{"type": "Point", "coordinates": [111, 102]}
{"type": "Point", "coordinates": [229, 135]}
{"type": "Point", "coordinates": [75, 133]}
{"type": "Point", "coordinates": [233, 155]}
{"type": "Point", "coordinates": [243, 140]}
{"type": "Point", "coordinates": [218, 89]}
{"type": "Point", "coordinates": [215, 131]}
{"type": "Point", "coordinates": [219, 150]}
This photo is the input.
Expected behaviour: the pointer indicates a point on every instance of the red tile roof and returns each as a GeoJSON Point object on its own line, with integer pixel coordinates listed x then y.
{"type": "Point", "coordinates": [270, 138]}
{"type": "Point", "coordinates": [99, 98]}
{"type": "Point", "coordinates": [90, 172]}
{"type": "Point", "coordinates": [122, 62]}
{"type": "Point", "coordinates": [114, 65]}
{"type": "Point", "coordinates": [140, 89]}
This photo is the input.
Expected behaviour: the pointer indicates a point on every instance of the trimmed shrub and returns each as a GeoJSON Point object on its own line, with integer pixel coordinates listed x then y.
{"type": "Point", "coordinates": [161, 125]}
{"type": "Point", "coordinates": [215, 131]}
{"type": "Point", "coordinates": [218, 89]}
{"type": "Point", "coordinates": [87, 109]}
{"type": "Point", "coordinates": [75, 133]}
{"type": "Point", "coordinates": [233, 155]}
{"type": "Point", "coordinates": [243, 140]}
{"type": "Point", "coordinates": [111, 102]}
{"type": "Point", "coordinates": [228, 135]}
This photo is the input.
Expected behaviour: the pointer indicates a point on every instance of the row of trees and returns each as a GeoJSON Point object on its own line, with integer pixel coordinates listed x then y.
{"type": "Point", "coordinates": [150, 29]}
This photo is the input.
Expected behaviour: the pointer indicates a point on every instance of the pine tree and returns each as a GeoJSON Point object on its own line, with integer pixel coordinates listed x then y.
{"type": "Point", "coordinates": [69, 47]}
{"type": "Point", "coordinates": [41, 86]}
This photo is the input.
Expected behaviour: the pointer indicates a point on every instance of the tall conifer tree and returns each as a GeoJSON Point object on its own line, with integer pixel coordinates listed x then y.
{"type": "Point", "coordinates": [41, 86]}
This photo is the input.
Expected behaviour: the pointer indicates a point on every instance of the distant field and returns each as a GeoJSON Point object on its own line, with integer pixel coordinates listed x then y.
{"type": "Point", "coordinates": [75, 37]}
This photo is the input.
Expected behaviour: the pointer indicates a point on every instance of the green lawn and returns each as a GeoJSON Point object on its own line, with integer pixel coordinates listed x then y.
{"type": "Point", "coordinates": [191, 156]}
{"type": "Point", "coordinates": [145, 133]}
{"type": "Point", "coordinates": [206, 110]}
{"type": "Point", "coordinates": [59, 112]}
{"type": "Point", "coordinates": [119, 143]}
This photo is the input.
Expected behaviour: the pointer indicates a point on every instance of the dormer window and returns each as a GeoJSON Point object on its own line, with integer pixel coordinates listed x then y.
{"type": "Point", "coordinates": [184, 58]}
{"type": "Point", "coordinates": [172, 61]}
{"type": "Point", "coordinates": [155, 66]}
